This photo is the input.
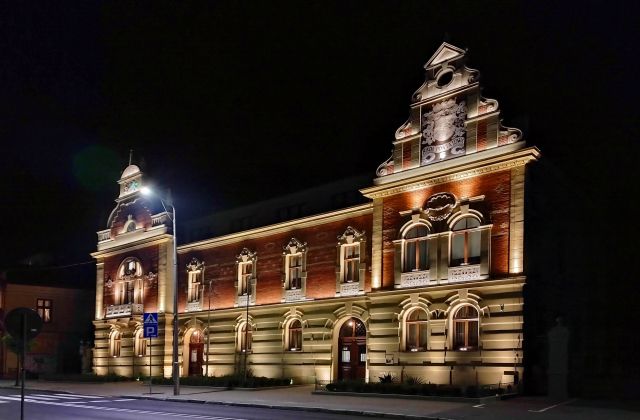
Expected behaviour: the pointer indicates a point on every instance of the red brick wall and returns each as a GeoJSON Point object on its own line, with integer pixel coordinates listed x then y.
{"type": "Point", "coordinates": [321, 264]}
{"type": "Point", "coordinates": [149, 260]}
{"type": "Point", "coordinates": [139, 212]}
{"type": "Point", "coordinates": [496, 188]}
{"type": "Point", "coordinates": [481, 141]}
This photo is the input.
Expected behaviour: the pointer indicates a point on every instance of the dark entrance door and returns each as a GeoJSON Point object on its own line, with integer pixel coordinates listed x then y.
{"type": "Point", "coordinates": [352, 350]}
{"type": "Point", "coordinates": [196, 347]}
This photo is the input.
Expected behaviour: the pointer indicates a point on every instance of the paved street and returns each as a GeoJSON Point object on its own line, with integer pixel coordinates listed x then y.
{"type": "Point", "coordinates": [60, 406]}
{"type": "Point", "coordinates": [131, 400]}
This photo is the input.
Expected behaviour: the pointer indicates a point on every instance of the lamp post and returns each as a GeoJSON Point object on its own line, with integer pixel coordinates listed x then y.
{"type": "Point", "coordinates": [174, 357]}
{"type": "Point", "coordinates": [206, 369]}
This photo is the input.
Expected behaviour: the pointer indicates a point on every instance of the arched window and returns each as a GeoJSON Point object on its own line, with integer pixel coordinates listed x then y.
{"type": "Point", "coordinates": [115, 340]}
{"type": "Point", "coordinates": [129, 282]}
{"type": "Point", "coordinates": [465, 242]}
{"type": "Point", "coordinates": [245, 337]}
{"type": "Point", "coordinates": [294, 335]}
{"type": "Point", "coordinates": [415, 249]}
{"type": "Point", "coordinates": [139, 344]}
{"type": "Point", "coordinates": [416, 330]}
{"type": "Point", "coordinates": [465, 328]}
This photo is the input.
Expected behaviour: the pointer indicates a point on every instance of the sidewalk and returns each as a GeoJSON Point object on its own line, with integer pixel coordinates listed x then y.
{"type": "Point", "coordinates": [295, 397]}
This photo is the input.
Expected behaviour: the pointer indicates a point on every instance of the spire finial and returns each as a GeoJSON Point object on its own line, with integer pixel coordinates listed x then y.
{"type": "Point", "coordinates": [130, 156]}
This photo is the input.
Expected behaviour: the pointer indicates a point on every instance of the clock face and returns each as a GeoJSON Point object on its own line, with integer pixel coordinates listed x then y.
{"type": "Point", "coordinates": [131, 186]}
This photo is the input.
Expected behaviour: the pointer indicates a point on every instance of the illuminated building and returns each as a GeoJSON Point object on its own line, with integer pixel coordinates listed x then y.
{"type": "Point", "coordinates": [424, 279]}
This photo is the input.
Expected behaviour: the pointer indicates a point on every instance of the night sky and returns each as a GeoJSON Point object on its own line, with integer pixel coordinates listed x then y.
{"type": "Point", "coordinates": [223, 102]}
{"type": "Point", "coordinates": [227, 103]}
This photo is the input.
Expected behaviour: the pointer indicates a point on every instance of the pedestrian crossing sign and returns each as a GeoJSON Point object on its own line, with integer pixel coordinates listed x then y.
{"type": "Point", "coordinates": [150, 318]}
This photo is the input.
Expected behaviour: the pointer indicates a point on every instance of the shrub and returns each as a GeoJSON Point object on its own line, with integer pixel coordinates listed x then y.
{"type": "Point", "coordinates": [227, 381]}
{"type": "Point", "coordinates": [413, 380]}
{"type": "Point", "coordinates": [449, 391]}
{"type": "Point", "coordinates": [85, 377]}
{"type": "Point", "coordinates": [387, 378]}
{"type": "Point", "coordinates": [471, 391]}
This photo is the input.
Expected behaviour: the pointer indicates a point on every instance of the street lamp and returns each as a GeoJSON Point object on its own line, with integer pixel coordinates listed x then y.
{"type": "Point", "coordinates": [175, 366]}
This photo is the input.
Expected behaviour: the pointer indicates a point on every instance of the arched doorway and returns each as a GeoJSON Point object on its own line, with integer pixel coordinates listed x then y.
{"type": "Point", "coordinates": [196, 347]}
{"type": "Point", "coordinates": [352, 350]}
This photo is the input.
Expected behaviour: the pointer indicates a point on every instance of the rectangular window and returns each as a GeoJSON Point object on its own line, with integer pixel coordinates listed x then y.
{"type": "Point", "coordinates": [295, 271]}
{"type": "Point", "coordinates": [460, 341]}
{"type": "Point", "coordinates": [351, 263]}
{"type": "Point", "coordinates": [129, 292]}
{"type": "Point", "coordinates": [346, 355]}
{"type": "Point", "coordinates": [194, 286]}
{"type": "Point", "coordinates": [465, 248]}
{"type": "Point", "coordinates": [139, 287]}
{"type": "Point", "coordinates": [246, 270]}
{"type": "Point", "coordinates": [44, 307]}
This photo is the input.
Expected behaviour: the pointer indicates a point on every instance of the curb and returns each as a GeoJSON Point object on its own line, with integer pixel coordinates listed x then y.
{"type": "Point", "coordinates": [473, 400]}
{"type": "Point", "coordinates": [295, 408]}
{"type": "Point", "coordinates": [345, 411]}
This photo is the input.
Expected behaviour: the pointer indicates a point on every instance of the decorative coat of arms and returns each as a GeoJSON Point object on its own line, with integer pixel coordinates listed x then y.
{"type": "Point", "coordinates": [443, 131]}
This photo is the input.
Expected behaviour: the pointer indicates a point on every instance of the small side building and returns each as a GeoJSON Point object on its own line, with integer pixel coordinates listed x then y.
{"type": "Point", "coordinates": [65, 308]}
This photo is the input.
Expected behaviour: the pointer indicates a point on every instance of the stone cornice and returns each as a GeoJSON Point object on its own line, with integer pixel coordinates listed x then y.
{"type": "Point", "coordinates": [466, 168]}
{"type": "Point", "coordinates": [131, 246]}
{"type": "Point", "coordinates": [280, 227]}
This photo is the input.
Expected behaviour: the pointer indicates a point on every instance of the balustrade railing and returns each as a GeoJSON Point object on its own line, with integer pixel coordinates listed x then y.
{"type": "Point", "coordinates": [127, 309]}
{"type": "Point", "coordinates": [349, 289]}
{"type": "Point", "coordinates": [464, 273]}
{"type": "Point", "coordinates": [414, 279]}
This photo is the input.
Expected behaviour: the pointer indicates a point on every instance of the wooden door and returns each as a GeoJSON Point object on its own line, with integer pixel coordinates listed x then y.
{"type": "Point", "coordinates": [352, 350]}
{"type": "Point", "coordinates": [196, 350]}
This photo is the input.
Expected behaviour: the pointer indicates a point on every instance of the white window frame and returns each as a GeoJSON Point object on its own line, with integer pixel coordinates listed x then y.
{"type": "Point", "coordinates": [195, 279]}
{"type": "Point", "coordinates": [465, 321]}
{"type": "Point", "coordinates": [356, 240]}
{"type": "Point", "coordinates": [288, 331]}
{"type": "Point", "coordinates": [466, 233]}
{"type": "Point", "coordinates": [241, 336]}
{"type": "Point", "coordinates": [246, 263]}
{"type": "Point", "coordinates": [422, 327]}
{"type": "Point", "coordinates": [418, 240]}
{"type": "Point", "coordinates": [115, 343]}
{"type": "Point", "coordinates": [129, 282]}
{"type": "Point", "coordinates": [294, 251]}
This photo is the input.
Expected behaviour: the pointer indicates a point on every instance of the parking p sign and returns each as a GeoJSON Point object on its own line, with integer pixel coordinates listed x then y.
{"type": "Point", "coordinates": [150, 324]}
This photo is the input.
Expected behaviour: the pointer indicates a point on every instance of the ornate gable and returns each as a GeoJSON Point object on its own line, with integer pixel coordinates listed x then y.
{"type": "Point", "coordinates": [449, 118]}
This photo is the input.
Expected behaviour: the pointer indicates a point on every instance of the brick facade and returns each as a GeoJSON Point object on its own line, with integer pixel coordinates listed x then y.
{"type": "Point", "coordinates": [448, 145]}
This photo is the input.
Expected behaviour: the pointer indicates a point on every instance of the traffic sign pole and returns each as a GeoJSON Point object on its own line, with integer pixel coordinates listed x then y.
{"type": "Point", "coordinates": [150, 380]}
{"type": "Point", "coordinates": [150, 330]}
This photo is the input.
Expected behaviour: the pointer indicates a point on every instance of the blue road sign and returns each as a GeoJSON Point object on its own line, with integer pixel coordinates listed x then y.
{"type": "Point", "coordinates": [151, 331]}
{"type": "Point", "coordinates": [150, 321]}
{"type": "Point", "coordinates": [150, 318]}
